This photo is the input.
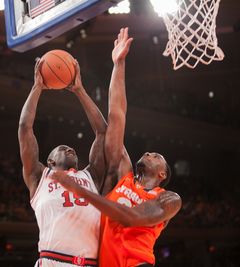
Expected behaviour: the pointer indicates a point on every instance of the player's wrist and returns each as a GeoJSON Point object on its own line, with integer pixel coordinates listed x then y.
{"type": "Point", "coordinates": [37, 86]}
{"type": "Point", "coordinates": [120, 62]}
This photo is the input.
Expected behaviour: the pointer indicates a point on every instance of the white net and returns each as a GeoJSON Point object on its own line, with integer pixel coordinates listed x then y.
{"type": "Point", "coordinates": [192, 33]}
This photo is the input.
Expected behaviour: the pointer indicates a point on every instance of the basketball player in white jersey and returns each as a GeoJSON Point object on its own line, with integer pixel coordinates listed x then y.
{"type": "Point", "coordinates": [69, 226]}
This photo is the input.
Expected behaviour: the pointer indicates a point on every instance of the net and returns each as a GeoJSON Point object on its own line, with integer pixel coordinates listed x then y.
{"type": "Point", "coordinates": [192, 33]}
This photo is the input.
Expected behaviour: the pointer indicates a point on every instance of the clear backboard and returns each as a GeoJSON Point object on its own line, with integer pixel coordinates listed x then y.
{"type": "Point", "coordinates": [30, 23]}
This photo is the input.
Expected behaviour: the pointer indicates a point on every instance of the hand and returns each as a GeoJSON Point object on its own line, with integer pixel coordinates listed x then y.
{"type": "Point", "coordinates": [38, 80]}
{"type": "Point", "coordinates": [65, 181]}
{"type": "Point", "coordinates": [77, 83]}
{"type": "Point", "coordinates": [121, 46]}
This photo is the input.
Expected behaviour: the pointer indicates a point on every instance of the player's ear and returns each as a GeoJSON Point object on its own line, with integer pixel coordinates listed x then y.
{"type": "Point", "coordinates": [51, 162]}
{"type": "Point", "coordinates": [162, 175]}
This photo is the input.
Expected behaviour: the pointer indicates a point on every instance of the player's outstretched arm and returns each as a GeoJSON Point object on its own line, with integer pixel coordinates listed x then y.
{"type": "Point", "coordinates": [32, 169]}
{"type": "Point", "coordinates": [148, 213]}
{"type": "Point", "coordinates": [97, 163]}
{"type": "Point", "coordinates": [94, 115]}
{"type": "Point", "coordinates": [117, 159]}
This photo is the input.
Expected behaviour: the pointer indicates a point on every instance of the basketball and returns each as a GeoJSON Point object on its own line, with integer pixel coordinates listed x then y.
{"type": "Point", "coordinates": [57, 70]}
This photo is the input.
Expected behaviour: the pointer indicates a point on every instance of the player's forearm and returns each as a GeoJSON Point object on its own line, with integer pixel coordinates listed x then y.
{"type": "Point", "coordinates": [115, 211]}
{"type": "Point", "coordinates": [117, 93]}
{"type": "Point", "coordinates": [29, 109]}
{"type": "Point", "coordinates": [146, 214]}
{"type": "Point", "coordinates": [116, 117]}
{"type": "Point", "coordinates": [94, 115]}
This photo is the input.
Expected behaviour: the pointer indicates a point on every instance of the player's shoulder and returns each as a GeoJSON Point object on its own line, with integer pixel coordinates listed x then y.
{"type": "Point", "coordinates": [169, 195]}
{"type": "Point", "coordinates": [169, 201]}
{"type": "Point", "coordinates": [42, 167]}
{"type": "Point", "coordinates": [128, 177]}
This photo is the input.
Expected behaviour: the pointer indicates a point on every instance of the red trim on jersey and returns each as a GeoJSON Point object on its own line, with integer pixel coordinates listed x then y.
{"type": "Point", "coordinates": [72, 170]}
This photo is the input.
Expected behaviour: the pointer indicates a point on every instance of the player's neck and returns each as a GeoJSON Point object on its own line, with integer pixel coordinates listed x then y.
{"type": "Point", "coordinates": [61, 168]}
{"type": "Point", "coordinates": [147, 181]}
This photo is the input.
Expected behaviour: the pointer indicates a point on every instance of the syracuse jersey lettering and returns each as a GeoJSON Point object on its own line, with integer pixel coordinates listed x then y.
{"type": "Point", "coordinates": [128, 197]}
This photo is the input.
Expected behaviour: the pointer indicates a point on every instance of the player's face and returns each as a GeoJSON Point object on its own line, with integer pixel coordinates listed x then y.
{"type": "Point", "coordinates": [65, 156]}
{"type": "Point", "coordinates": [152, 161]}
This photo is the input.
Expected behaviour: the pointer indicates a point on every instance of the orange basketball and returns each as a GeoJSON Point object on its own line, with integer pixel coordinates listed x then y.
{"type": "Point", "coordinates": [57, 70]}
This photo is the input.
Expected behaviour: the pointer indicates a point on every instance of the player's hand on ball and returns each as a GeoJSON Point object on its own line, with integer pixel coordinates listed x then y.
{"type": "Point", "coordinates": [77, 83]}
{"type": "Point", "coordinates": [38, 80]}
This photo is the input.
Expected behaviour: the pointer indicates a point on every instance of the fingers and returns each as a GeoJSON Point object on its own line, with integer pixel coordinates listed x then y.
{"type": "Point", "coordinates": [128, 43]}
{"type": "Point", "coordinates": [125, 34]}
{"type": "Point", "coordinates": [77, 70]}
{"type": "Point", "coordinates": [76, 66]}
{"type": "Point", "coordinates": [64, 180]}
{"type": "Point", "coordinates": [37, 64]}
{"type": "Point", "coordinates": [57, 177]}
{"type": "Point", "coordinates": [76, 83]}
{"type": "Point", "coordinates": [122, 36]}
{"type": "Point", "coordinates": [121, 45]}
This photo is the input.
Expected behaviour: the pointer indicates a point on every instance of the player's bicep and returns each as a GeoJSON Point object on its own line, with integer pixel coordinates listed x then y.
{"type": "Point", "coordinates": [161, 209]}
{"type": "Point", "coordinates": [125, 165]}
{"type": "Point", "coordinates": [116, 172]}
{"type": "Point", "coordinates": [167, 204]}
{"type": "Point", "coordinates": [29, 153]}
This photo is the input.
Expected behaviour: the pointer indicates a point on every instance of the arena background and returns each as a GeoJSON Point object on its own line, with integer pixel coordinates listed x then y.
{"type": "Point", "coordinates": [169, 111]}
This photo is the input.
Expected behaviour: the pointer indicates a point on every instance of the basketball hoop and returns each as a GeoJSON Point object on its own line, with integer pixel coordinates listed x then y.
{"type": "Point", "coordinates": [192, 33]}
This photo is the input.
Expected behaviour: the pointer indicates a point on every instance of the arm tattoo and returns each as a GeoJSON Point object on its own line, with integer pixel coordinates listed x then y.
{"type": "Point", "coordinates": [169, 204]}
{"type": "Point", "coordinates": [176, 204]}
{"type": "Point", "coordinates": [149, 211]}
{"type": "Point", "coordinates": [169, 201]}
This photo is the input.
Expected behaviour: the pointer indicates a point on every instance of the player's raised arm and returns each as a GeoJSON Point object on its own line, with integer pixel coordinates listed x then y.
{"type": "Point", "coordinates": [97, 163]}
{"type": "Point", "coordinates": [117, 158]}
{"type": "Point", "coordinates": [29, 152]}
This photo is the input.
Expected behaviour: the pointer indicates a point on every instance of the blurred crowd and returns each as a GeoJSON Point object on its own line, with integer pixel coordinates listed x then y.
{"type": "Point", "coordinates": [14, 195]}
{"type": "Point", "coordinates": [203, 204]}
{"type": "Point", "coordinates": [174, 99]}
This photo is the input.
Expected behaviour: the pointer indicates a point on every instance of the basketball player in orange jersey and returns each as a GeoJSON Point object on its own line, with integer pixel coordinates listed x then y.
{"type": "Point", "coordinates": [69, 226]}
{"type": "Point", "coordinates": [138, 208]}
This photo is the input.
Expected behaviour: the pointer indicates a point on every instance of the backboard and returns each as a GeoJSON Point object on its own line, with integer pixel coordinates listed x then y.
{"type": "Point", "coordinates": [30, 23]}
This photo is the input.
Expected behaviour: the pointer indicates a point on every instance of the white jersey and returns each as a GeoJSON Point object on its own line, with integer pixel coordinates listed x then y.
{"type": "Point", "coordinates": [67, 223]}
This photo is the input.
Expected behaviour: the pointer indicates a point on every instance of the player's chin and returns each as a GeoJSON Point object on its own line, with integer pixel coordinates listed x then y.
{"type": "Point", "coordinates": [140, 164]}
{"type": "Point", "coordinates": [72, 162]}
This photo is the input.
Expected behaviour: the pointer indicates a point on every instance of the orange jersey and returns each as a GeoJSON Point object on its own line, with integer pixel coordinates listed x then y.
{"type": "Point", "coordinates": [124, 246]}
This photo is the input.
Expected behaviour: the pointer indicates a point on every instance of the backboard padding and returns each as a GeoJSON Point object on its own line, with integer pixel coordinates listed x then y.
{"type": "Point", "coordinates": [56, 24]}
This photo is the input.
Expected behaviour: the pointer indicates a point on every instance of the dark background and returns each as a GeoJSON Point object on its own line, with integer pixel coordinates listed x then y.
{"type": "Point", "coordinates": [168, 111]}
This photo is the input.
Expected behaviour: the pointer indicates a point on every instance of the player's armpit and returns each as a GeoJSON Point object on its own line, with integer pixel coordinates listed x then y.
{"type": "Point", "coordinates": [97, 163]}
